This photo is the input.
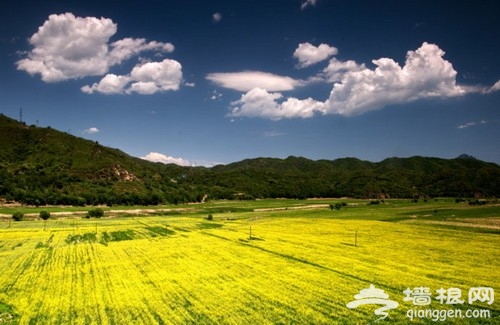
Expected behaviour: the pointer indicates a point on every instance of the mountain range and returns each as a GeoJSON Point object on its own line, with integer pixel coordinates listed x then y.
{"type": "Point", "coordinates": [41, 165]}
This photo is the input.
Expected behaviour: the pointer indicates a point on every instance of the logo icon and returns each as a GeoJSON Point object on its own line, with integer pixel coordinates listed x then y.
{"type": "Point", "coordinates": [374, 296]}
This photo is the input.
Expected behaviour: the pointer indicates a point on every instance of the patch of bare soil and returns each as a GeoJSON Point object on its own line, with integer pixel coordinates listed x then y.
{"type": "Point", "coordinates": [485, 223]}
{"type": "Point", "coordinates": [301, 207]}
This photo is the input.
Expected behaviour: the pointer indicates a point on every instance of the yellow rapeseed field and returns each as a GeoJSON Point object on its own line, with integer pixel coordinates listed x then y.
{"type": "Point", "coordinates": [298, 267]}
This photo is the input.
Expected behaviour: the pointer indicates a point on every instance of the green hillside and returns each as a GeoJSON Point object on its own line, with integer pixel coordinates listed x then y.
{"type": "Point", "coordinates": [45, 166]}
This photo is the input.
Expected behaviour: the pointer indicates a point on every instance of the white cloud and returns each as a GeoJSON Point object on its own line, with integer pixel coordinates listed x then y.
{"type": "Point", "coordinates": [308, 54]}
{"type": "Point", "coordinates": [471, 124]}
{"type": "Point", "coordinates": [425, 74]}
{"type": "Point", "coordinates": [307, 3]}
{"type": "Point", "coordinates": [216, 17]}
{"type": "Point", "coordinates": [337, 69]}
{"type": "Point", "coordinates": [91, 130]}
{"type": "Point", "coordinates": [157, 76]}
{"type": "Point", "coordinates": [495, 87]}
{"type": "Point", "coordinates": [164, 159]}
{"type": "Point", "coordinates": [128, 47]}
{"type": "Point", "coordinates": [358, 89]}
{"type": "Point", "coordinates": [248, 80]}
{"type": "Point", "coordinates": [145, 79]}
{"type": "Point", "coordinates": [110, 84]}
{"type": "Point", "coordinates": [466, 125]}
{"type": "Point", "coordinates": [272, 134]}
{"type": "Point", "coordinates": [68, 47]}
{"type": "Point", "coordinates": [215, 95]}
{"type": "Point", "coordinates": [259, 102]}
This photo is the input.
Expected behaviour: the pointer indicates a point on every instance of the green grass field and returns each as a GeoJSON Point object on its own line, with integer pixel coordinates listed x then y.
{"type": "Point", "coordinates": [261, 262]}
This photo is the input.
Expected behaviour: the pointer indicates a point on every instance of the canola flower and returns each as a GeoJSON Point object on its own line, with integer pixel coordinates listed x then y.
{"type": "Point", "coordinates": [182, 269]}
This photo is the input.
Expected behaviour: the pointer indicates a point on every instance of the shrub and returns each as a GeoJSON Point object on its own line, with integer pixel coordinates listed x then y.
{"type": "Point", "coordinates": [95, 213]}
{"type": "Point", "coordinates": [45, 215]}
{"type": "Point", "coordinates": [18, 216]}
{"type": "Point", "coordinates": [210, 217]}
{"type": "Point", "coordinates": [337, 206]}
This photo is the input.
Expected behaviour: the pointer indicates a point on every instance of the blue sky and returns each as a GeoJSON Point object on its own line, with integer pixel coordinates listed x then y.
{"type": "Point", "coordinates": [207, 82]}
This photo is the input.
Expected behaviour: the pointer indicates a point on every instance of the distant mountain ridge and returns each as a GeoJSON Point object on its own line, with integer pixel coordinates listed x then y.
{"type": "Point", "coordinates": [45, 166]}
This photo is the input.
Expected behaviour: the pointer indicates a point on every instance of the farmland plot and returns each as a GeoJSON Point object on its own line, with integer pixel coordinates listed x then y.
{"type": "Point", "coordinates": [267, 267]}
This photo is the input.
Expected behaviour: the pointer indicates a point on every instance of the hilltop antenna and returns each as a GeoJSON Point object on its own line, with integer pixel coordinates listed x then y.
{"type": "Point", "coordinates": [21, 115]}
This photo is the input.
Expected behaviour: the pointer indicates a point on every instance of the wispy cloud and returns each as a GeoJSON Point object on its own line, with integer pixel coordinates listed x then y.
{"type": "Point", "coordinates": [495, 87]}
{"type": "Point", "coordinates": [471, 124]}
{"type": "Point", "coordinates": [271, 134]}
{"type": "Point", "coordinates": [307, 3]}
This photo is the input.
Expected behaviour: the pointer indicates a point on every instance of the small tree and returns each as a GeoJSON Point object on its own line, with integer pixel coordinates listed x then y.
{"type": "Point", "coordinates": [45, 215]}
{"type": "Point", "coordinates": [337, 206]}
{"type": "Point", "coordinates": [18, 216]}
{"type": "Point", "coordinates": [96, 213]}
{"type": "Point", "coordinates": [210, 217]}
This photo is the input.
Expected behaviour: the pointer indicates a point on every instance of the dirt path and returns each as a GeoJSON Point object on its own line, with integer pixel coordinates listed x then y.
{"type": "Point", "coordinates": [107, 213]}
{"type": "Point", "coordinates": [300, 207]}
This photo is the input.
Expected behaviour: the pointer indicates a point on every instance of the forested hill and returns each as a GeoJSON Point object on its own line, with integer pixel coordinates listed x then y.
{"type": "Point", "coordinates": [45, 166]}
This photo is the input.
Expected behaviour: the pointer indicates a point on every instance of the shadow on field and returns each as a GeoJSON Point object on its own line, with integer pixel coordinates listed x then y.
{"type": "Point", "coordinates": [209, 225]}
{"type": "Point", "coordinates": [246, 240]}
{"type": "Point", "coordinates": [348, 244]}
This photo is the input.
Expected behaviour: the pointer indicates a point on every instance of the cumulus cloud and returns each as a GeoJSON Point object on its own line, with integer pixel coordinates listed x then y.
{"type": "Point", "coordinates": [357, 89]}
{"type": "Point", "coordinates": [308, 54]}
{"type": "Point", "coordinates": [259, 102]}
{"type": "Point", "coordinates": [110, 84]}
{"type": "Point", "coordinates": [248, 80]}
{"type": "Point", "coordinates": [69, 47]}
{"type": "Point", "coordinates": [360, 89]}
{"type": "Point", "coordinates": [164, 159]}
{"type": "Point", "coordinates": [128, 47]}
{"type": "Point", "coordinates": [337, 69]}
{"type": "Point", "coordinates": [91, 130]}
{"type": "Point", "coordinates": [157, 76]}
{"type": "Point", "coordinates": [145, 79]}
